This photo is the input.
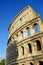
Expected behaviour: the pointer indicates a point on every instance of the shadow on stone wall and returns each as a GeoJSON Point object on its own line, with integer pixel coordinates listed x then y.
{"type": "Point", "coordinates": [12, 54]}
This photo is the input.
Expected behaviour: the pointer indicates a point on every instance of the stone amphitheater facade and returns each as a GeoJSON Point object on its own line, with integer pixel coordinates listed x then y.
{"type": "Point", "coordinates": [25, 39]}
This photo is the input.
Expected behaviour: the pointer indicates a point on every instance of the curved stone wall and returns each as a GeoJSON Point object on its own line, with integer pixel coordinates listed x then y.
{"type": "Point", "coordinates": [25, 40]}
{"type": "Point", "coordinates": [23, 17]}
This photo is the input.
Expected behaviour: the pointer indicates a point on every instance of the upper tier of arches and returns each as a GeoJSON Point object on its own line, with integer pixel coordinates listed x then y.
{"type": "Point", "coordinates": [23, 17]}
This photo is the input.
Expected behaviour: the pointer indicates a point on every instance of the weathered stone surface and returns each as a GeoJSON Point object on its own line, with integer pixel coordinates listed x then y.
{"type": "Point", "coordinates": [24, 48]}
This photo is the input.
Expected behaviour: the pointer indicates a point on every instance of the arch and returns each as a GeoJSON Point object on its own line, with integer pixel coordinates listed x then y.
{"type": "Point", "coordinates": [38, 45]}
{"type": "Point", "coordinates": [28, 31]}
{"type": "Point", "coordinates": [22, 64]}
{"type": "Point", "coordinates": [22, 50]}
{"type": "Point", "coordinates": [22, 34]}
{"type": "Point", "coordinates": [36, 27]}
{"type": "Point", "coordinates": [17, 35]}
{"type": "Point", "coordinates": [30, 48]}
{"type": "Point", "coordinates": [40, 63]}
{"type": "Point", "coordinates": [31, 63]}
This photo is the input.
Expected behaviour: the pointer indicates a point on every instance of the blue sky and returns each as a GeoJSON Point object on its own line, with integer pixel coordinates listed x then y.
{"type": "Point", "coordinates": [8, 10]}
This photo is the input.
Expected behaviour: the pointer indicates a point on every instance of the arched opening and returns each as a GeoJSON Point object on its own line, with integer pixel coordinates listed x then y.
{"type": "Point", "coordinates": [22, 64]}
{"type": "Point", "coordinates": [28, 31]}
{"type": "Point", "coordinates": [31, 63]}
{"type": "Point", "coordinates": [40, 63]}
{"type": "Point", "coordinates": [22, 34]}
{"type": "Point", "coordinates": [30, 48]}
{"type": "Point", "coordinates": [38, 45]}
{"type": "Point", "coordinates": [17, 35]}
{"type": "Point", "coordinates": [22, 50]}
{"type": "Point", "coordinates": [36, 28]}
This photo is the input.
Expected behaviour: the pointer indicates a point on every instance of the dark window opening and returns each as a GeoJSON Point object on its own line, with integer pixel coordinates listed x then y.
{"type": "Point", "coordinates": [31, 63]}
{"type": "Point", "coordinates": [36, 28]}
{"type": "Point", "coordinates": [40, 63]}
{"type": "Point", "coordinates": [22, 50]}
{"type": "Point", "coordinates": [21, 19]}
{"type": "Point", "coordinates": [28, 31]}
{"type": "Point", "coordinates": [30, 49]}
{"type": "Point", "coordinates": [22, 34]}
{"type": "Point", "coordinates": [22, 64]}
{"type": "Point", "coordinates": [38, 45]}
{"type": "Point", "coordinates": [17, 35]}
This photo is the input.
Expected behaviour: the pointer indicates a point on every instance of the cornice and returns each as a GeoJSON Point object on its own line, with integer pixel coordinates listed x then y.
{"type": "Point", "coordinates": [31, 37]}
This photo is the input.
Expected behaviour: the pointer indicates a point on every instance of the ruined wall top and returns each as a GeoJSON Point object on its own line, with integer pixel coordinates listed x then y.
{"type": "Point", "coordinates": [23, 17]}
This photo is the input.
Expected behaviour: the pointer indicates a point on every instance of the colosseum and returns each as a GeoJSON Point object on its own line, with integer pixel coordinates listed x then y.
{"type": "Point", "coordinates": [25, 39]}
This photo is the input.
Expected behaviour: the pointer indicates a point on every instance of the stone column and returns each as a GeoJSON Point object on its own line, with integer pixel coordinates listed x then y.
{"type": "Point", "coordinates": [38, 63]}
{"type": "Point", "coordinates": [32, 31]}
{"type": "Point", "coordinates": [34, 62]}
{"type": "Point", "coordinates": [42, 43]}
{"type": "Point", "coordinates": [19, 36]}
{"type": "Point", "coordinates": [27, 63]}
{"type": "Point", "coordinates": [18, 52]}
{"type": "Point", "coordinates": [34, 48]}
{"type": "Point", "coordinates": [15, 37]}
{"type": "Point", "coordinates": [40, 25]}
{"type": "Point", "coordinates": [26, 52]}
{"type": "Point", "coordinates": [25, 33]}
